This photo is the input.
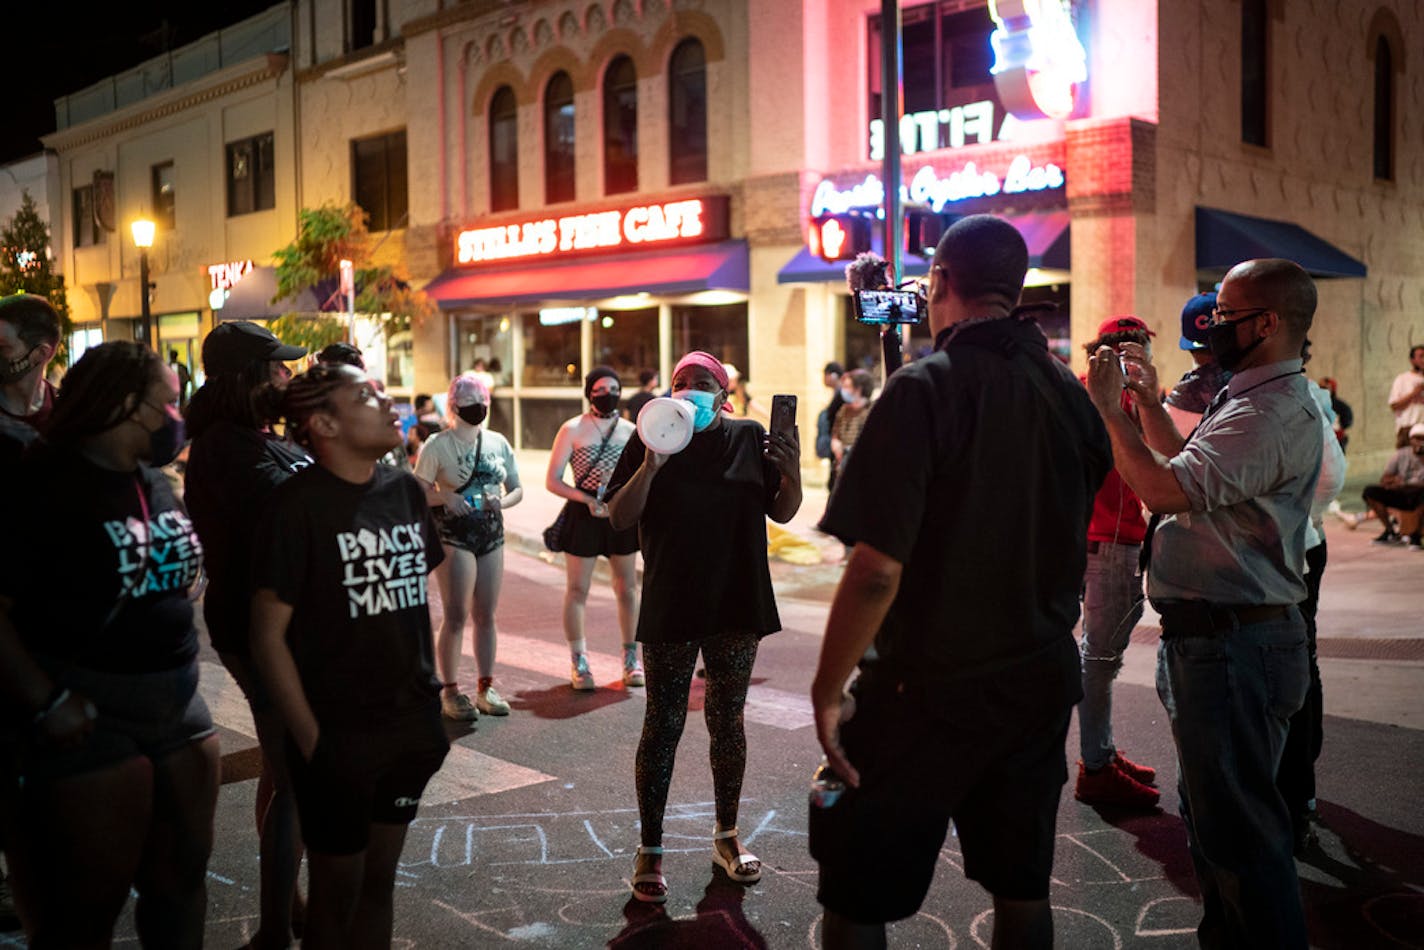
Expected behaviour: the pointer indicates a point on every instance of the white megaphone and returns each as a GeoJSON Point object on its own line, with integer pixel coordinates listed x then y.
{"type": "Point", "coordinates": [665, 425]}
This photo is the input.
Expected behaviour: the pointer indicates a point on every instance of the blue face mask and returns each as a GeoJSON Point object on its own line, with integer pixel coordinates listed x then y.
{"type": "Point", "coordinates": [704, 404]}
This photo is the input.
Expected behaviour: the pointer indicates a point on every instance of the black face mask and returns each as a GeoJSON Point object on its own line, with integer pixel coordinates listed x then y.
{"type": "Point", "coordinates": [605, 404]}
{"type": "Point", "coordinates": [474, 413]}
{"type": "Point", "coordinates": [165, 442]}
{"type": "Point", "coordinates": [1222, 340]}
{"type": "Point", "coordinates": [15, 369]}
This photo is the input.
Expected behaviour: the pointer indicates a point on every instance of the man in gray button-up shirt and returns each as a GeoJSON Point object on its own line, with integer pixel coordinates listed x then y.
{"type": "Point", "coordinates": [1225, 575]}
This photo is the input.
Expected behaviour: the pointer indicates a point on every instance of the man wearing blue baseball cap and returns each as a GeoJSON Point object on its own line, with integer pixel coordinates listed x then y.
{"type": "Point", "coordinates": [1193, 392]}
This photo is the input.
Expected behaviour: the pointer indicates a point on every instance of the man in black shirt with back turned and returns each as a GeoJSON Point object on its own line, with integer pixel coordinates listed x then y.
{"type": "Point", "coordinates": [967, 501]}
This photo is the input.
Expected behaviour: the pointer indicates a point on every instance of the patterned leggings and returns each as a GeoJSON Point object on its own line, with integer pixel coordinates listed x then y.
{"type": "Point", "coordinates": [669, 667]}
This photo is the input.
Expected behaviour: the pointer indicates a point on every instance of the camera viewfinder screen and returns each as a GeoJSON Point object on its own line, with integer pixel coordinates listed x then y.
{"type": "Point", "coordinates": [888, 306]}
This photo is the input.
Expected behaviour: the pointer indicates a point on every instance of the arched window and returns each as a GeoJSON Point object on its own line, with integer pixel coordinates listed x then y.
{"type": "Point", "coordinates": [504, 150]}
{"type": "Point", "coordinates": [559, 139]}
{"type": "Point", "coordinates": [1384, 110]}
{"type": "Point", "coordinates": [620, 127]}
{"type": "Point", "coordinates": [1255, 63]}
{"type": "Point", "coordinates": [687, 113]}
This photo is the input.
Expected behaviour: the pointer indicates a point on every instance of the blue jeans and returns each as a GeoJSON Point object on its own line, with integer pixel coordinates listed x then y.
{"type": "Point", "coordinates": [1112, 605]}
{"type": "Point", "coordinates": [1229, 697]}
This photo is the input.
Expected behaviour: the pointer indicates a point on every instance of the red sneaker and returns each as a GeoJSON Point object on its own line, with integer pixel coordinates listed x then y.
{"type": "Point", "coordinates": [1110, 785]}
{"type": "Point", "coordinates": [1143, 773]}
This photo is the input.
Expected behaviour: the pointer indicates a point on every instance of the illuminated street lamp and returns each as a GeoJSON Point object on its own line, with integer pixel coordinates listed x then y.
{"type": "Point", "coordinates": [143, 239]}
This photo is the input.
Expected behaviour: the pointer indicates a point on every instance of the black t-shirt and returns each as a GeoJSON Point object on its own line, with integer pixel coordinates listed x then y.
{"type": "Point", "coordinates": [965, 475]}
{"type": "Point", "coordinates": [94, 582]}
{"type": "Point", "coordinates": [15, 437]}
{"type": "Point", "coordinates": [352, 561]}
{"type": "Point", "coordinates": [703, 536]}
{"type": "Point", "coordinates": [231, 472]}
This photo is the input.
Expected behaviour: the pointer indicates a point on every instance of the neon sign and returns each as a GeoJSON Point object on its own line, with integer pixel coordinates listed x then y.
{"type": "Point", "coordinates": [226, 276]}
{"type": "Point", "coordinates": [685, 221]}
{"type": "Point", "coordinates": [1038, 61]}
{"type": "Point", "coordinates": [929, 187]}
{"type": "Point", "coordinates": [935, 129]}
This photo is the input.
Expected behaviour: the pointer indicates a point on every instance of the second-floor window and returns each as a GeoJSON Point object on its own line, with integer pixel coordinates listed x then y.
{"type": "Point", "coordinates": [559, 139]}
{"type": "Point", "coordinates": [504, 150]}
{"type": "Point", "coordinates": [251, 175]}
{"type": "Point", "coordinates": [1384, 110]}
{"type": "Point", "coordinates": [687, 113]}
{"type": "Point", "coordinates": [620, 127]}
{"type": "Point", "coordinates": [361, 24]}
{"type": "Point", "coordinates": [1255, 49]}
{"type": "Point", "coordinates": [379, 180]}
{"type": "Point", "coordinates": [164, 205]}
{"type": "Point", "coordinates": [87, 231]}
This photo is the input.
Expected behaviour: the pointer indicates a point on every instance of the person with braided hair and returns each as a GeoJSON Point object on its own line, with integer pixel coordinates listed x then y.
{"type": "Point", "coordinates": [119, 760]}
{"type": "Point", "coordinates": [341, 638]}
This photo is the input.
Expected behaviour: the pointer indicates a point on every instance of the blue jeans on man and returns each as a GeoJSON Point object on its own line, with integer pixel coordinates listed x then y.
{"type": "Point", "coordinates": [1230, 695]}
{"type": "Point", "coordinates": [1112, 605]}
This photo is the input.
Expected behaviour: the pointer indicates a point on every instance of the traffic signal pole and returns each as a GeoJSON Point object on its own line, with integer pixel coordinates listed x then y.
{"type": "Point", "coordinates": [892, 105]}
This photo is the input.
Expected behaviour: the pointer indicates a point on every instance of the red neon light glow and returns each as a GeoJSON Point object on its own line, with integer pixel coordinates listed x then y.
{"type": "Point", "coordinates": [833, 238]}
{"type": "Point", "coordinates": [640, 225]}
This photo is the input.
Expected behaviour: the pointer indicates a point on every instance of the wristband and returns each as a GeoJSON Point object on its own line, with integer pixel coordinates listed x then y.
{"type": "Point", "coordinates": [56, 698]}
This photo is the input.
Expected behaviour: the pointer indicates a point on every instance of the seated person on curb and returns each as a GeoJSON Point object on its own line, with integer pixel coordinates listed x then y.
{"type": "Point", "coordinates": [1401, 487]}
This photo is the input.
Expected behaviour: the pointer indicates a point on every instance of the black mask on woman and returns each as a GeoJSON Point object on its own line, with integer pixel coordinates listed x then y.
{"type": "Point", "coordinates": [474, 413]}
{"type": "Point", "coordinates": [165, 442]}
{"type": "Point", "coordinates": [1222, 341]}
{"type": "Point", "coordinates": [605, 404]}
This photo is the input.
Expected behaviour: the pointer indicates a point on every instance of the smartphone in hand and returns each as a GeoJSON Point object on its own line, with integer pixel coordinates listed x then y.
{"type": "Point", "coordinates": [783, 415]}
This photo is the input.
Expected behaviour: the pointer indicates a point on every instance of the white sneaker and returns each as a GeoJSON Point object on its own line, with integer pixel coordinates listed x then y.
{"type": "Point", "coordinates": [632, 669]}
{"type": "Point", "coordinates": [580, 678]}
{"type": "Point", "coordinates": [490, 702]}
{"type": "Point", "coordinates": [457, 706]}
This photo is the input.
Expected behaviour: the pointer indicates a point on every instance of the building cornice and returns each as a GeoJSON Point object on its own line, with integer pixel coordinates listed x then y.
{"type": "Point", "coordinates": [395, 44]}
{"type": "Point", "coordinates": [219, 84]}
{"type": "Point", "coordinates": [459, 13]}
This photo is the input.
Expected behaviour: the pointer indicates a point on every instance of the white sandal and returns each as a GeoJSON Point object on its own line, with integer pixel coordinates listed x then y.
{"type": "Point", "coordinates": [651, 878]}
{"type": "Point", "coordinates": [735, 866]}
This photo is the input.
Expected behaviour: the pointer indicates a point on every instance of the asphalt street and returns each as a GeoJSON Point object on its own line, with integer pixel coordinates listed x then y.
{"type": "Point", "coordinates": [527, 834]}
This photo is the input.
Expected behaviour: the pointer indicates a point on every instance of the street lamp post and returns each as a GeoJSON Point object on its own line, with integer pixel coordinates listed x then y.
{"type": "Point", "coordinates": [143, 239]}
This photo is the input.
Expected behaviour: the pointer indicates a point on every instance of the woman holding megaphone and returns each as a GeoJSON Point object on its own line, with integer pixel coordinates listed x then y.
{"type": "Point", "coordinates": [699, 485]}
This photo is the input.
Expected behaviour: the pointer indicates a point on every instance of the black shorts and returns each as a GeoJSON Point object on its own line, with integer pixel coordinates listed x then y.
{"type": "Point", "coordinates": [138, 714]}
{"type": "Point", "coordinates": [879, 844]}
{"type": "Point", "coordinates": [357, 778]}
{"type": "Point", "coordinates": [479, 532]}
{"type": "Point", "coordinates": [588, 536]}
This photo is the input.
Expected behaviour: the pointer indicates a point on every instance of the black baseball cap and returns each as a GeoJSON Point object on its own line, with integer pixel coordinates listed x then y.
{"type": "Point", "coordinates": [235, 344]}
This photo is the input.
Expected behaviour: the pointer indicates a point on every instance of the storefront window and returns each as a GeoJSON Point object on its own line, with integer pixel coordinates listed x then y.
{"type": "Point", "coordinates": [551, 353]}
{"type": "Point", "coordinates": [540, 420]}
{"type": "Point", "coordinates": [626, 340]}
{"type": "Point", "coordinates": [488, 338]}
{"type": "Point", "coordinates": [721, 331]}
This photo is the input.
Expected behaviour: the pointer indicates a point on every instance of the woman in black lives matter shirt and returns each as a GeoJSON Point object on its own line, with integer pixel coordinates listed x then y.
{"type": "Point", "coordinates": [233, 464]}
{"type": "Point", "coordinates": [341, 637]}
{"type": "Point", "coordinates": [99, 669]}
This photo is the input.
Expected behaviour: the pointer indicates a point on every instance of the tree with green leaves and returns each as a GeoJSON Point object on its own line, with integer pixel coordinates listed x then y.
{"type": "Point", "coordinates": [26, 267]}
{"type": "Point", "coordinates": [312, 262]}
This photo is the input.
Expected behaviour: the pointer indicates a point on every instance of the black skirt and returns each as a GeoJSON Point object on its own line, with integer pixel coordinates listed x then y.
{"type": "Point", "coordinates": [588, 536]}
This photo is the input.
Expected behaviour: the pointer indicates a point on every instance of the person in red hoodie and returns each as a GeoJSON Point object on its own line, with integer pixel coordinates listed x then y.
{"type": "Point", "coordinates": [1112, 605]}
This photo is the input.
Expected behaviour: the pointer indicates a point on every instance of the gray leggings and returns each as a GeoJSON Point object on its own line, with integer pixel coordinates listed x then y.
{"type": "Point", "coordinates": [729, 661]}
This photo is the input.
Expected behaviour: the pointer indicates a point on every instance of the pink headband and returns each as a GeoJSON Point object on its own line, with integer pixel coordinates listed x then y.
{"type": "Point", "coordinates": [705, 360]}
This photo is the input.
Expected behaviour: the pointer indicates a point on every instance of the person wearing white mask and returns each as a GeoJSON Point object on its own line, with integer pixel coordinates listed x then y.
{"type": "Point", "coordinates": [856, 387]}
{"type": "Point", "coordinates": [471, 477]}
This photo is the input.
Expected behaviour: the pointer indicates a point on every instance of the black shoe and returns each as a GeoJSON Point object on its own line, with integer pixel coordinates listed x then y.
{"type": "Point", "coordinates": [1388, 536]}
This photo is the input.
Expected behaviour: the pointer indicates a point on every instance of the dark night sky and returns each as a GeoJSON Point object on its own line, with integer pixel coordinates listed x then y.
{"type": "Point", "coordinates": [56, 47]}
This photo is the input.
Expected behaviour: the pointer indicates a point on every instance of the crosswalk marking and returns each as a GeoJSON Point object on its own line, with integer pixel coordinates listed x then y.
{"type": "Point", "coordinates": [467, 773]}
